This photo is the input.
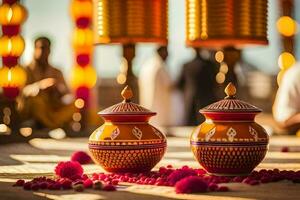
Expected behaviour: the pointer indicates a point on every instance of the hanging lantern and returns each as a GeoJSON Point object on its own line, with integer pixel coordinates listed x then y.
{"type": "Point", "coordinates": [12, 77]}
{"type": "Point", "coordinates": [131, 21]}
{"type": "Point", "coordinates": [83, 40]}
{"type": "Point", "coordinates": [12, 14]}
{"type": "Point", "coordinates": [83, 76]}
{"type": "Point", "coordinates": [220, 23]}
{"type": "Point", "coordinates": [11, 46]}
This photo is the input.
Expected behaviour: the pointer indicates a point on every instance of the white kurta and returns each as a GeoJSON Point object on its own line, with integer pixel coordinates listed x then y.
{"type": "Point", "coordinates": [287, 101]}
{"type": "Point", "coordinates": [154, 90]}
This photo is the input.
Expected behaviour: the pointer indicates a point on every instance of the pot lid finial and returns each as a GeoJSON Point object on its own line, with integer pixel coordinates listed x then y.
{"type": "Point", "coordinates": [127, 94]}
{"type": "Point", "coordinates": [126, 108]}
{"type": "Point", "coordinates": [230, 90]}
{"type": "Point", "coordinates": [230, 103]}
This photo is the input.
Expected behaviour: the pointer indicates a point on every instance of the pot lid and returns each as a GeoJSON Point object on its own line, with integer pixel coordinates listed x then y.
{"type": "Point", "coordinates": [126, 107]}
{"type": "Point", "coordinates": [230, 104]}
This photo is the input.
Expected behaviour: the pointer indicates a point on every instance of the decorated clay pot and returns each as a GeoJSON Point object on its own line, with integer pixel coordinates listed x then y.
{"type": "Point", "coordinates": [229, 142]}
{"type": "Point", "coordinates": [126, 142]}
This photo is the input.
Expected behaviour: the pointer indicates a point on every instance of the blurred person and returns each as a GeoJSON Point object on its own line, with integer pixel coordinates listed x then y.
{"type": "Point", "coordinates": [155, 86]}
{"type": "Point", "coordinates": [47, 98]}
{"type": "Point", "coordinates": [197, 81]}
{"type": "Point", "coordinates": [286, 108]}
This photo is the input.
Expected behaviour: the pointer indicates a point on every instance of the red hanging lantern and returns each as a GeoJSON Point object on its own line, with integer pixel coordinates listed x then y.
{"type": "Point", "coordinates": [13, 77]}
{"type": "Point", "coordinates": [83, 76]}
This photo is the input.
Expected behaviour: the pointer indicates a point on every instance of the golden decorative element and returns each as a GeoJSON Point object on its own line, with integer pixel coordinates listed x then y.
{"type": "Point", "coordinates": [220, 23]}
{"type": "Point", "coordinates": [131, 21]}
{"type": "Point", "coordinates": [248, 158]}
{"type": "Point", "coordinates": [230, 90]}
{"type": "Point", "coordinates": [230, 103]}
{"type": "Point", "coordinates": [128, 160]}
{"type": "Point", "coordinates": [127, 94]}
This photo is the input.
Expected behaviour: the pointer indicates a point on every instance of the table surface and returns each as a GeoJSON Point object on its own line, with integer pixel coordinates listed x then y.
{"type": "Point", "coordinates": [39, 156]}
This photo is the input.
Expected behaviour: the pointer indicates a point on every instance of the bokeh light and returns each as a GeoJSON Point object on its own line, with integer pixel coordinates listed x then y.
{"type": "Point", "coordinates": [26, 131]}
{"type": "Point", "coordinates": [219, 56]}
{"type": "Point", "coordinates": [76, 126]}
{"type": "Point", "coordinates": [76, 117]}
{"type": "Point", "coordinates": [57, 134]}
{"type": "Point", "coordinates": [223, 68]}
{"type": "Point", "coordinates": [3, 128]}
{"type": "Point", "coordinates": [220, 77]}
{"type": "Point", "coordinates": [286, 60]}
{"type": "Point", "coordinates": [286, 26]}
{"type": "Point", "coordinates": [79, 103]}
{"type": "Point", "coordinates": [280, 76]}
{"type": "Point", "coordinates": [121, 79]}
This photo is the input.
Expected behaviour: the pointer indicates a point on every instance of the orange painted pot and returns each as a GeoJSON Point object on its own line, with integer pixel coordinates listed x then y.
{"type": "Point", "coordinates": [229, 142]}
{"type": "Point", "coordinates": [126, 142]}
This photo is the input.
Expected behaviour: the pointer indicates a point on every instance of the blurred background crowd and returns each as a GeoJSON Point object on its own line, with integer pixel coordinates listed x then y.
{"type": "Point", "coordinates": [60, 98]}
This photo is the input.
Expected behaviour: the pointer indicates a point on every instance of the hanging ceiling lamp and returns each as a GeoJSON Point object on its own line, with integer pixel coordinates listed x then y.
{"type": "Point", "coordinates": [131, 21]}
{"type": "Point", "coordinates": [220, 23]}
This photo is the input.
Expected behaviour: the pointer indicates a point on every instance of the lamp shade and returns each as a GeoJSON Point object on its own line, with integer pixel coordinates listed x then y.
{"type": "Point", "coordinates": [131, 21]}
{"type": "Point", "coordinates": [219, 23]}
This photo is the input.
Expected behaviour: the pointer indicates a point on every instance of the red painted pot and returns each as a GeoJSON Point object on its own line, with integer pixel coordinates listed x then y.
{"type": "Point", "coordinates": [126, 142]}
{"type": "Point", "coordinates": [229, 142]}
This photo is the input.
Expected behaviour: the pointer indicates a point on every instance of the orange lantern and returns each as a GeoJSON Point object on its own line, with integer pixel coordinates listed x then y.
{"type": "Point", "coordinates": [83, 76]}
{"type": "Point", "coordinates": [83, 40]}
{"type": "Point", "coordinates": [11, 46]}
{"type": "Point", "coordinates": [12, 77]}
{"type": "Point", "coordinates": [12, 14]}
{"type": "Point", "coordinates": [81, 8]}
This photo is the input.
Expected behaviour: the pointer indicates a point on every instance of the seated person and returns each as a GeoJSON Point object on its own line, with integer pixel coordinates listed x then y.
{"type": "Point", "coordinates": [47, 98]}
{"type": "Point", "coordinates": [286, 108]}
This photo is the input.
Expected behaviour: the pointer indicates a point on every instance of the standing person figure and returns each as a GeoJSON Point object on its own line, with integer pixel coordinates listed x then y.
{"type": "Point", "coordinates": [155, 86]}
{"type": "Point", "coordinates": [197, 81]}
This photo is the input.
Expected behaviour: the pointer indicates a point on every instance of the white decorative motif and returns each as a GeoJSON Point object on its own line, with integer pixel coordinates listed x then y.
{"type": "Point", "coordinates": [137, 132]}
{"type": "Point", "coordinates": [210, 134]}
{"type": "Point", "coordinates": [231, 133]}
{"type": "Point", "coordinates": [115, 133]}
{"type": "Point", "coordinates": [156, 132]}
{"type": "Point", "coordinates": [99, 132]}
{"type": "Point", "coordinates": [253, 132]}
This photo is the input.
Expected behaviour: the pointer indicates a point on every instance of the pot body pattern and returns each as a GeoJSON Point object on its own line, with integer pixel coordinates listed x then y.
{"type": "Point", "coordinates": [229, 142]}
{"type": "Point", "coordinates": [126, 142]}
{"type": "Point", "coordinates": [127, 147]}
{"type": "Point", "coordinates": [229, 148]}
